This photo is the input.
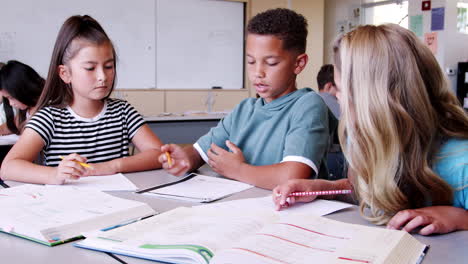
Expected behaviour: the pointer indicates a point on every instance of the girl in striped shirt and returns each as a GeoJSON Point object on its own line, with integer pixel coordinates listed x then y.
{"type": "Point", "coordinates": [76, 121]}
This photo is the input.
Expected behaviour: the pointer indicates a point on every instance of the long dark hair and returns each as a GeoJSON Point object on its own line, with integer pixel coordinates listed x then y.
{"type": "Point", "coordinates": [84, 29]}
{"type": "Point", "coordinates": [22, 83]}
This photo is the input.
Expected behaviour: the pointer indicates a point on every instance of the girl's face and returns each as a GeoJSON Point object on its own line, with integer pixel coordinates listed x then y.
{"type": "Point", "coordinates": [90, 72]}
{"type": "Point", "coordinates": [13, 102]}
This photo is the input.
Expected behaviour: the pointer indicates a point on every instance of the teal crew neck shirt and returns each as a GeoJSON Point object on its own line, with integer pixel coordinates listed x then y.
{"type": "Point", "coordinates": [294, 127]}
{"type": "Point", "coordinates": [451, 164]}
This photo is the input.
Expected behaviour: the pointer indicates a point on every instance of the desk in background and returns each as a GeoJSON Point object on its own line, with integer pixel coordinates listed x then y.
{"type": "Point", "coordinates": [448, 248]}
{"type": "Point", "coordinates": [183, 129]}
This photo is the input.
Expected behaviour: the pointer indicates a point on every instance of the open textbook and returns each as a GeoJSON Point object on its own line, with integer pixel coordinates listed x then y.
{"type": "Point", "coordinates": [212, 235]}
{"type": "Point", "coordinates": [55, 215]}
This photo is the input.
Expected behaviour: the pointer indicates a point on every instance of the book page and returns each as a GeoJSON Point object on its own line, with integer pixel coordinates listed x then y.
{"type": "Point", "coordinates": [316, 207]}
{"type": "Point", "coordinates": [167, 234]}
{"type": "Point", "coordinates": [201, 188]}
{"type": "Point", "coordinates": [55, 214]}
{"type": "Point", "coordinates": [311, 239]}
{"type": "Point", "coordinates": [115, 182]}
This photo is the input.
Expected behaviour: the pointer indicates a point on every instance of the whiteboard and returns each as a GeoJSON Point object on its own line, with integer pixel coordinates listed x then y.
{"type": "Point", "coordinates": [200, 44]}
{"type": "Point", "coordinates": [28, 29]}
{"type": "Point", "coordinates": [166, 44]}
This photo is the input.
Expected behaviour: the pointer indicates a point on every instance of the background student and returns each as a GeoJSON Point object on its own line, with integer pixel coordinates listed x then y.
{"type": "Point", "coordinates": [20, 86]}
{"type": "Point", "coordinates": [403, 133]}
{"type": "Point", "coordinates": [281, 135]}
{"type": "Point", "coordinates": [327, 90]}
{"type": "Point", "coordinates": [77, 119]}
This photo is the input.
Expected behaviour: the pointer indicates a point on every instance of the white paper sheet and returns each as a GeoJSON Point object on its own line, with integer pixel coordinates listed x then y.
{"type": "Point", "coordinates": [201, 188]}
{"type": "Point", "coordinates": [115, 182]}
{"type": "Point", "coordinates": [317, 207]}
{"type": "Point", "coordinates": [8, 139]}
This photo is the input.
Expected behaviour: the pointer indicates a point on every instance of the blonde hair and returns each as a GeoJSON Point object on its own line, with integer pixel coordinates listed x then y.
{"type": "Point", "coordinates": [397, 109]}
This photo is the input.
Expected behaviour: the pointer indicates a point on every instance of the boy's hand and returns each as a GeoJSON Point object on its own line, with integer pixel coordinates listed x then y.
{"type": "Point", "coordinates": [180, 161]}
{"type": "Point", "coordinates": [224, 162]}
{"type": "Point", "coordinates": [69, 168]}
{"type": "Point", "coordinates": [433, 219]}
{"type": "Point", "coordinates": [281, 193]}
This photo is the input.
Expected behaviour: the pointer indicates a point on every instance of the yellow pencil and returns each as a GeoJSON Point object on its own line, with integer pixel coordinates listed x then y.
{"type": "Point", "coordinates": [86, 165]}
{"type": "Point", "coordinates": [169, 159]}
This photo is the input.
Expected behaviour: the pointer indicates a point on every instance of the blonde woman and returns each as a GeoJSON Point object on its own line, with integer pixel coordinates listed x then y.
{"type": "Point", "coordinates": [405, 134]}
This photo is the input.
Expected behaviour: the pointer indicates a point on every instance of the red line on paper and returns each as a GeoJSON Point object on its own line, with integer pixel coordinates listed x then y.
{"type": "Point", "coordinates": [32, 195]}
{"type": "Point", "coordinates": [262, 255]}
{"type": "Point", "coordinates": [287, 240]}
{"type": "Point", "coordinates": [319, 233]}
{"type": "Point", "coordinates": [355, 260]}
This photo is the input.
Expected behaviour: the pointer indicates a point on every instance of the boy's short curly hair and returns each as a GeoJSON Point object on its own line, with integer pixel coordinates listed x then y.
{"type": "Point", "coordinates": [283, 23]}
{"type": "Point", "coordinates": [325, 75]}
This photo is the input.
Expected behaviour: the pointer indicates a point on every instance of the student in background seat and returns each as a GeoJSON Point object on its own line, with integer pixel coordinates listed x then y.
{"type": "Point", "coordinates": [20, 86]}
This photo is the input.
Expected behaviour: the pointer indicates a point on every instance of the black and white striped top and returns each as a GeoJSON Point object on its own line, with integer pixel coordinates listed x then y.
{"type": "Point", "coordinates": [101, 138]}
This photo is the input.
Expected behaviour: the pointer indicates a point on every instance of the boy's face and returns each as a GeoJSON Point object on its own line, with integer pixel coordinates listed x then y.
{"type": "Point", "coordinates": [272, 70]}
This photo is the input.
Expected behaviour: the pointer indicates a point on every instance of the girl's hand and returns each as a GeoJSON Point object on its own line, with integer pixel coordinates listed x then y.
{"type": "Point", "coordinates": [224, 162]}
{"type": "Point", "coordinates": [433, 219]}
{"type": "Point", "coordinates": [69, 168]}
{"type": "Point", "coordinates": [178, 162]}
{"type": "Point", "coordinates": [281, 193]}
{"type": "Point", "coordinates": [103, 168]}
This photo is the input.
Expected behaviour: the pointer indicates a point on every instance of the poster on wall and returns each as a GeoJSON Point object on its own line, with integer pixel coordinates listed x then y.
{"type": "Point", "coordinates": [341, 27]}
{"type": "Point", "coordinates": [437, 18]}
{"type": "Point", "coordinates": [431, 41]}
{"type": "Point", "coordinates": [416, 25]}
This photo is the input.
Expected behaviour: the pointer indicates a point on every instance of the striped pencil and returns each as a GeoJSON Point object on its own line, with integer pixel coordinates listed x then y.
{"type": "Point", "coordinates": [330, 192]}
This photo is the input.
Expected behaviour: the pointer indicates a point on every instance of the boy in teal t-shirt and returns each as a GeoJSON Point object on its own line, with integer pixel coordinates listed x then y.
{"type": "Point", "coordinates": [282, 135]}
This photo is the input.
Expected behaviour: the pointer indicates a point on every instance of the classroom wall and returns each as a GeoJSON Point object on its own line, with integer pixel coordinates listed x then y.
{"type": "Point", "coordinates": [452, 45]}
{"type": "Point", "coordinates": [154, 102]}
{"type": "Point", "coordinates": [336, 11]}
{"type": "Point", "coordinates": [313, 10]}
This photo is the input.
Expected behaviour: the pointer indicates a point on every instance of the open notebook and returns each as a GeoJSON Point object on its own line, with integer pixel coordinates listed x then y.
{"type": "Point", "coordinates": [213, 235]}
{"type": "Point", "coordinates": [55, 215]}
{"type": "Point", "coordinates": [198, 188]}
